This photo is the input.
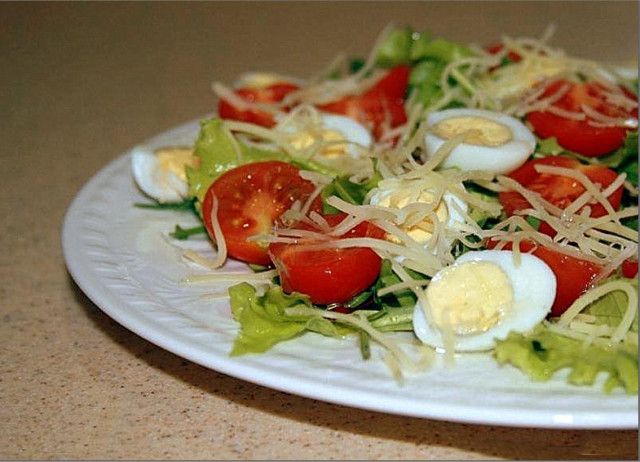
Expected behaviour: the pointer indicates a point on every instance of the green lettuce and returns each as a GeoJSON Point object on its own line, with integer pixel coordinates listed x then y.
{"type": "Point", "coordinates": [217, 151]}
{"type": "Point", "coordinates": [427, 57]}
{"type": "Point", "coordinates": [348, 191]}
{"type": "Point", "coordinates": [622, 160]}
{"type": "Point", "coordinates": [263, 322]}
{"type": "Point", "coordinates": [543, 353]}
{"type": "Point", "coordinates": [396, 48]}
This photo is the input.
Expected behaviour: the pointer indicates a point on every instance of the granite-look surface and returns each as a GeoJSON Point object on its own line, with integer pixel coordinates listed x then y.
{"type": "Point", "coordinates": [82, 83]}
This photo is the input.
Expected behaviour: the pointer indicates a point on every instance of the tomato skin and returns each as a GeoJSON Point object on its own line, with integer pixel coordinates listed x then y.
{"type": "Point", "coordinates": [558, 190]}
{"type": "Point", "coordinates": [330, 275]}
{"type": "Point", "coordinates": [270, 94]}
{"type": "Point", "coordinates": [579, 135]}
{"type": "Point", "coordinates": [574, 276]}
{"type": "Point", "coordinates": [250, 199]}
{"type": "Point", "coordinates": [381, 104]}
{"type": "Point", "coordinates": [630, 268]}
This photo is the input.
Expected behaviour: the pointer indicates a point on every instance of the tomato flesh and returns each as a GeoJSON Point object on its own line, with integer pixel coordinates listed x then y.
{"type": "Point", "coordinates": [630, 268]}
{"type": "Point", "coordinates": [380, 107]}
{"type": "Point", "coordinates": [574, 276]}
{"type": "Point", "coordinates": [329, 275]}
{"type": "Point", "coordinates": [581, 136]}
{"type": "Point", "coordinates": [270, 94]}
{"type": "Point", "coordinates": [251, 198]}
{"type": "Point", "coordinates": [561, 191]}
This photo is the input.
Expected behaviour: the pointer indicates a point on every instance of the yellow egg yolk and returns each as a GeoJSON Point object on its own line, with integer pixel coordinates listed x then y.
{"type": "Point", "coordinates": [422, 231]}
{"type": "Point", "coordinates": [478, 130]}
{"type": "Point", "coordinates": [174, 160]}
{"type": "Point", "coordinates": [332, 139]}
{"type": "Point", "coordinates": [469, 298]}
{"type": "Point", "coordinates": [260, 80]}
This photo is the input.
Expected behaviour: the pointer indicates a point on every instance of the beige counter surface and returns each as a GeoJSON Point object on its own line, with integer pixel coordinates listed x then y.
{"type": "Point", "coordinates": [84, 82]}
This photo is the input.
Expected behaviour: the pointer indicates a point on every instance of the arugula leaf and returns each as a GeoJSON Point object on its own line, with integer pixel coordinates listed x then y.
{"type": "Point", "coordinates": [186, 204]}
{"type": "Point", "coordinates": [185, 233]}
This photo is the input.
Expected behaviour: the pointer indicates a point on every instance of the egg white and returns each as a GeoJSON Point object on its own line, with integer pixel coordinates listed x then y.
{"type": "Point", "coordinates": [534, 289]}
{"type": "Point", "coordinates": [156, 182]}
{"type": "Point", "coordinates": [352, 130]}
{"type": "Point", "coordinates": [500, 159]}
{"type": "Point", "coordinates": [344, 144]}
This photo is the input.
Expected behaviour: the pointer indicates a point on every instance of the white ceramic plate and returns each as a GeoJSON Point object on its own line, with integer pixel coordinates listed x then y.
{"type": "Point", "coordinates": [121, 258]}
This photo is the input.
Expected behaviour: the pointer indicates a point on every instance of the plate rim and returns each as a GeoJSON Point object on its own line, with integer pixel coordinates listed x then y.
{"type": "Point", "coordinates": [244, 369]}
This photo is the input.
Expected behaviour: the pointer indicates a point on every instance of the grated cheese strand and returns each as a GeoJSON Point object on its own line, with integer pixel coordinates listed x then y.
{"type": "Point", "coordinates": [407, 363]}
{"type": "Point", "coordinates": [591, 296]}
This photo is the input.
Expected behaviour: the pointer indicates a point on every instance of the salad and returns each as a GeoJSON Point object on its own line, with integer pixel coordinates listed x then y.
{"type": "Point", "coordinates": [467, 198]}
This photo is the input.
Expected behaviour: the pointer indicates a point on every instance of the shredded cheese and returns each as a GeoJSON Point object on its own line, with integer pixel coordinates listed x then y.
{"type": "Point", "coordinates": [620, 332]}
{"type": "Point", "coordinates": [516, 89]}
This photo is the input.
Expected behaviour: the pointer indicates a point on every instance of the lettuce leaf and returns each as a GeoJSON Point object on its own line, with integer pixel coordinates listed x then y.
{"type": "Point", "coordinates": [396, 48]}
{"type": "Point", "coordinates": [610, 309]}
{"type": "Point", "coordinates": [353, 193]}
{"type": "Point", "coordinates": [623, 160]}
{"type": "Point", "coordinates": [543, 353]}
{"type": "Point", "coordinates": [217, 152]}
{"type": "Point", "coordinates": [263, 322]}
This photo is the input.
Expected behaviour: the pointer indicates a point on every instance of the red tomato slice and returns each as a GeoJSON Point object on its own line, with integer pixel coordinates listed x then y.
{"type": "Point", "coordinates": [630, 268]}
{"type": "Point", "coordinates": [380, 106]}
{"type": "Point", "coordinates": [250, 199]}
{"type": "Point", "coordinates": [559, 190]}
{"type": "Point", "coordinates": [573, 276]}
{"type": "Point", "coordinates": [580, 135]}
{"type": "Point", "coordinates": [329, 275]}
{"type": "Point", "coordinates": [270, 94]}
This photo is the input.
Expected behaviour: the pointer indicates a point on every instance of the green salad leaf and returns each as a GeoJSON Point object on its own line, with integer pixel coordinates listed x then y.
{"type": "Point", "coordinates": [219, 151]}
{"type": "Point", "coordinates": [543, 353]}
{"type": "Point", "coordinates": [428, 58]}
{"type": "Point", "coordinates": [263, 322]}
{"type": "Point", "coordinates": [396, 48]}
{"type": "Point", "coordinates": [348, 191]}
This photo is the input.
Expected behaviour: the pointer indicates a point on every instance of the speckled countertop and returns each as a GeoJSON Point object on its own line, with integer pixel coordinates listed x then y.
{"type": "Point", "coordinates": [82, 83]}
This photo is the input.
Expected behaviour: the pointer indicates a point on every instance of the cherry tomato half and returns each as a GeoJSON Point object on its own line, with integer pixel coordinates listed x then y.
{"type": "Point", "coordinates": [270, 94]}
{"type": "Point", "coordinates": [559, 190]}
{"type": "Point", "coordinates": [573, 276]}
{"type": "Point", "coordinates": [629, 268]}
{"type": "Point", "coordinates": [328, 275]}
{"type": "Point", "coordinates": [381, 105]}
{"type": "Point", "coordinates": [250, 199]}
{"type": "Point", "coordinates": [582, 136]}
